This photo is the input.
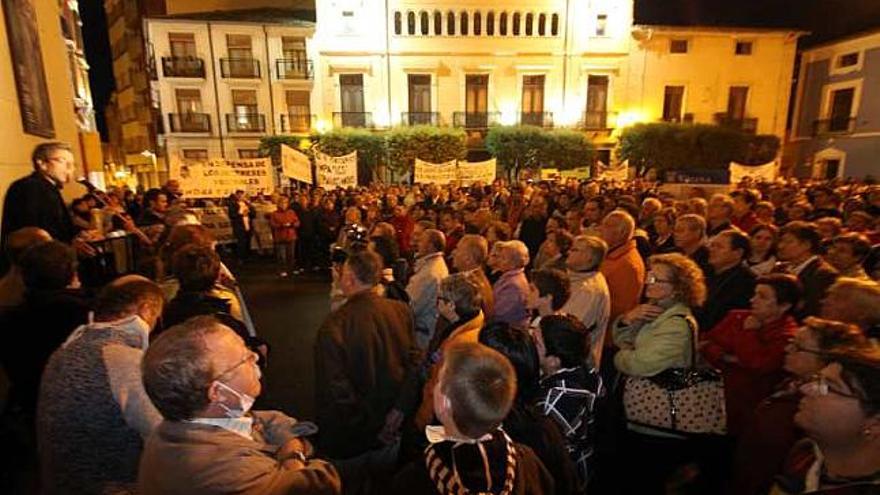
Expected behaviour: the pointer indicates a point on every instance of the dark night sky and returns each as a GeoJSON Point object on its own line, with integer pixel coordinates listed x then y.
{"type": "Point", "coordinates": [826, 19]}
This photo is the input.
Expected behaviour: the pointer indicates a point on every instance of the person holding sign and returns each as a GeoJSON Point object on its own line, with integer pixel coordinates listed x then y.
{"type": "Point", "coordinates": [284, 223]}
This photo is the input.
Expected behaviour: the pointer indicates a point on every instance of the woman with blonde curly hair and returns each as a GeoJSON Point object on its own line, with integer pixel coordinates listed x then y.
{"type": "Point", "coordinates": [653, 337]}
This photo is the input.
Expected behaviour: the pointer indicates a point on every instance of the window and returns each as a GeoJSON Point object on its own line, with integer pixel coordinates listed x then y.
{"type": "Point", "coordinates": [673, 99]}
{"type": "Point", "coordinates": [351, 87]}
{"type": "Point", "coordinates": [244, 102]}
{"type": "Point", "coordinates": [502, 24]}
{"type": "Point", "coordinates": [490, 24]}
{"type": "Point", "coordinates": [476, 100]}
{"type": "Point", "coordinates": [450, 24]}
{"type": "Point", "coordinates": [601, 24]}
{"type": "Point", "coordinates": [438, 23]}
{"type": "Point", "coordinates": [463, 27]}
{"type": "Point", "coordinates": [554, 25]}
{"type": "Point", "coordinates": [398, 23]}
{"type": "Point", "coordinates": [478, 23]}
{"type": "Point", "coordinates": [542, 25]}
{"type": "Point", "coordinates": [516, 20]}
{"type": "Point", "coordinates": [743, 48]}
{"type": "Point", "coordinates": [195, 154]}
{"type": "Point", "coordinates": [530, 21]}
{"type": "Point", "coordinates": [419, 99]}
{"type": "Point", "coordinates": [246, 154]}
{"type": "Point", "coordinates": [239, 46]}
{"type": "Point", "coordinates": [736, 102]}
{"type": "Point", "coordinates": [410, 23]}
{"type": "Point", "coordinates": [841, 109]}
{"type": "Point", "coordinates": [533, 101]}
{"type": "Point", "coordinates": [678, 46]}
{"type": "Point", "coordinates": [848, 60]}
{"type": "Point", "coordinates": [423, 23]}
{"type": "Point", "coordinates": [188, 100]}
{"type": "Point", "coordinates": [597, 103]}
{"type": "Point", "coordinates": [298, 111]}
{"type": "Point", "coordinates": [182, 45]}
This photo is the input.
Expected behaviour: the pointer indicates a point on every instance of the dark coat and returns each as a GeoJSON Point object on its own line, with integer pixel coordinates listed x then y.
{"type": "Point", "coordinates": [33, 201]}
{"type": "Point", "coordinates": [731, 289]}
{"type": "Point", "coordinates": [816, 278]}
{"type": "Point", "coordinates": [363, 352]}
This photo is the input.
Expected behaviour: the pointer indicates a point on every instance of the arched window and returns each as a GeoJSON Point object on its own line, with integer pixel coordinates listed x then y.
{"type": "Point", "coordinates": [490, 24]}
{"type": "Point", "coordinates": [542, 25]}
{"type": "Point", "coordinates": [423, 23]}
{"type": "Point", "coordinates": [530, 22]}
{"type": "Point", "coordinates": [516, 20]}
{"type": "Point", "coordinates": [554, 25]}
{"type": "Point", "coordinates": [410, 23]}
{"type": "Point", "coordinates": [398, 21]}
{"type": "Point", "coordinates": [502, 24]}
{"type": "Point", "coordinates": [478, 23]}
{"type": "Point", "coordinates": [464, 24]}
{"type": "Point", "coordinates": [438, 23]}
{"type": "Point", "coordinates": [450, 23]}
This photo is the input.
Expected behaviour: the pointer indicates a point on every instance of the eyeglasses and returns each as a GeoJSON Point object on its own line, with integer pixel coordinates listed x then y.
{"type": "Point", "coordinates": [652, 279]}
{"type": "Point", "coordinates": [819, 386]}
{"type": "Point", "coordinates": [249, 357]}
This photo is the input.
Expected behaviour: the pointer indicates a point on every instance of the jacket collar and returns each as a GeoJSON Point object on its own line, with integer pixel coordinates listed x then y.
{"type": "Point", "coordinates": [426, 259]}
{"type": "Point", "coordinates": [622, 250]}
{"type": "Point", "coordinates": [510, 274]}
{"type": "Point", "coordinates": [474, 323]}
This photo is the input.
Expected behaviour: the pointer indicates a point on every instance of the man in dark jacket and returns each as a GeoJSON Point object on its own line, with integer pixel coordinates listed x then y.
{"type": "Point", "coordinates": [241, 217]}
{"type": "Point", "coordinates": [362, 355]}
{"type": "Point", "coordinates": [799, 245]}
{"type": "Point", "coordinates": [729, 283]}
{"type": "Point", "coordinates": [35, 200]}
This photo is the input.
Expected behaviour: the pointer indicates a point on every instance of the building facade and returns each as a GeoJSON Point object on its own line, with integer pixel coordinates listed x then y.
{"type": "Point", "coordinates": [70, 115]}
{"type": "Point", "coordinates": [836, 122]}
{"type": "Point", "coordinates": [223, 83]}
{"type": "Point", "coordinates": [472, 64]}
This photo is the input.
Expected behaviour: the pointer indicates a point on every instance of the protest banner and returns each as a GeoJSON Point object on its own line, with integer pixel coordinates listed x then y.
{"type": "Point", "coordinates": [470, 172]}
{"type": "Point", "coordinates": [550, 174]}
{"type": "Point", "coordinates": [766, 172]}
{"type": "Point", "coordinates": [216, 220]}
{"type": "Point", "coordinates": [295, 164]}
{"type": "Point", "coordinates": [575, 173]}
{"type": "Point", "coordinates": [220, 178]}
{"type": "Point", "coordinates": [435, 173]}
{"type": "Point", "coordinates": [336, 171]}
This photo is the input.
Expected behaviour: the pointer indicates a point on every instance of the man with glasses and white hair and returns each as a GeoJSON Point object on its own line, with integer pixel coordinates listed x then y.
{"type": "Point", "coordinates": [590, 299]}
{"type": "Point", "coordinates": [35, 200]}
{"type": "Point", "coordinates": [204, 381]}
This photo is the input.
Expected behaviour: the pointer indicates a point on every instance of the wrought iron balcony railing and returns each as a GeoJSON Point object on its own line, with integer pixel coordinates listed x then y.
{"type": "Point", "coordinates": [296, 122]}
{"type": "Point", "coordinates": [245, 122]}
{"type": "Point", "coordinates": [240, 68]}
{"type": "Point", "coordinates": [475, 120]}
{"type": "Point", "coordinates": [745, 124]}
{"type": "Point", "coordinates": [420, 118]}
{"type": "Point", "coordinates": [183, 67]}
{"type": "Point", "coordinates": [189, 122]}
{"type": "Point", "coordinates": [834, 125]}
{"type": "Point", "coordinates": [539, 119]}
{"type": "Point", "coordinates": [353, 119]}
{"type": "Point", "coordinates": [294, 68]}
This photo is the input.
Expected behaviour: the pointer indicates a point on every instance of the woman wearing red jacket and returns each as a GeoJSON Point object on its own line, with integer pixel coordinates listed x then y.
{"type": "Point", "coordinates": [748, 346]}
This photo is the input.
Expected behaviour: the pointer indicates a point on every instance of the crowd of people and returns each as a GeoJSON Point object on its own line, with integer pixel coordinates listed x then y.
{"type": "Point", "coordinates": [525, 337]}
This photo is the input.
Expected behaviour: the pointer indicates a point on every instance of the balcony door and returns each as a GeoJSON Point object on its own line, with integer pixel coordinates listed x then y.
{"type": "Point", "coordinates": [351, 92]}
{"type": "Point", "coordinates": [298, 110]}
{"type": "Point", "coordinates": [293, 49]}
{"type": "Point", "coordinates": [241, 56]}
{"type": "Point", "coordinates": [476, 100]}
{"type": "Point", "coordinates": [841, 109]}
{"type": "Point", "coordinates": [597, 103]}
{"type": "Point", "coordinates": [533, 100]}
{"type": "Point", "coordinates": [190, 116]}
{"type": "Point", "coordinates": [244, 107]}
{"type": "Point", "coordinates": [183, 45]}
{"type": "Point", "coordinates": [419, 99]}
{"type": "Point", "coordinates": [736, 102]}
{"type": "Point", "coordinates": [673, 102]}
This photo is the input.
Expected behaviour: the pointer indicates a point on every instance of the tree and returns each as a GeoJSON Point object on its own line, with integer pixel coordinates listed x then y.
{"type": "Point", "coordinates": [517, 147]}
{"type": "Point", "coordinates": [691, 147]}
{"type": "Point", "coordinates": [428, 143]}
{"type": "Point", "coordinates": [566, 149]}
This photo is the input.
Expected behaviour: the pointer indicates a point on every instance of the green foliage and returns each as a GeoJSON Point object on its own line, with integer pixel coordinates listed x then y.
{"type": "Point", "coordinates": [518, 147]}
{"type": "Point", "coordinates": [690, 147]}
{"type": "Point", "coordinates": [428, 143]}
{"type": "Point", "coordinates": [271, 146]}
{"type": "Point", "coordinates": [369, 145]}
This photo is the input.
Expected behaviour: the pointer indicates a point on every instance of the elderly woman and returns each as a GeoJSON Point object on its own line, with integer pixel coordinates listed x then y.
{"type": "Point", "coordinates": [511, 290]}
{"type": "Point", "coordinates": [770, 431]}
{"type": "Point", "coordinates": [855, 301]}
{"type": "Point", "coordinates": [748, 346]}
{"type": "Point", "coordinates": [653, 337]}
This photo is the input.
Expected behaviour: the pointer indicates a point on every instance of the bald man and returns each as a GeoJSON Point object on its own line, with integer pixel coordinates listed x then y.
{"type": "Point", "coordinates": [93, 412]}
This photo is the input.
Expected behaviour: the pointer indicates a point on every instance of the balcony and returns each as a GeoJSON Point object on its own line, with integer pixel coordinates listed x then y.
{"type": "Point", "coordinates": [353, 119]}
{"type": "Point", "coordinates": [189, 122]}
{"type": "Point", "coordinates": [420, 118]}
{"type": "Point", "coordinates": [538, 119]}
{"type": "Point", "coordinates": [245, 122]}
{"type": "Point", "coordinates": [687, 118]}
{"type": "Point", "coordinates": [296, 122]}
{"type": "Point", "coordinates": [240, 68]}
{"type": "Point", "coordinates": [598, 121]}
{"type": "Point", "coordinates": [746, 124]}
{"type": "Point", "coordinates": [294, 68]}
{"type": "Point", "coordinates": [183, 67]}
{"type": "Point", "coordinates": [834, 125]}
{"type": "Point", "coordinates": [475, 120]}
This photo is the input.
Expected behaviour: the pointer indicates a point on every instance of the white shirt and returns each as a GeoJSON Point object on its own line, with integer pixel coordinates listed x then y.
{"type": "Point", "coordinates": [242, 426]}
{"type": "Point", "coordinates": [590, 302]}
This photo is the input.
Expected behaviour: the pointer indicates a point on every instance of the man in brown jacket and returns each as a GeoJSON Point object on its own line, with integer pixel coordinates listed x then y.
{"type": "Point", "coordinates": [362, 355]}
{"type": "Point", "coordinates": [203, 380]}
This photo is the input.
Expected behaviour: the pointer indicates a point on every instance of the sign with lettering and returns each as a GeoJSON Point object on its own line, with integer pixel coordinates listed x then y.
{"type": "Point", "coordinates": [295, 164]}
{"type": "Point", "coordinates": [435, 173]}
{"type": "Point", "coordinates": [766, 172]}
{"type": "Point", "coordinates": [220, 178]}
{"type": "Point", "coordinates": [470, 172]}
{"type": "Point", "coordinates": [336, 171]}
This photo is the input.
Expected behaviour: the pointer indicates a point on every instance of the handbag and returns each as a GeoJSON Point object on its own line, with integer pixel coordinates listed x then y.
{"type": "Point", "coordinates": [678, 400]}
